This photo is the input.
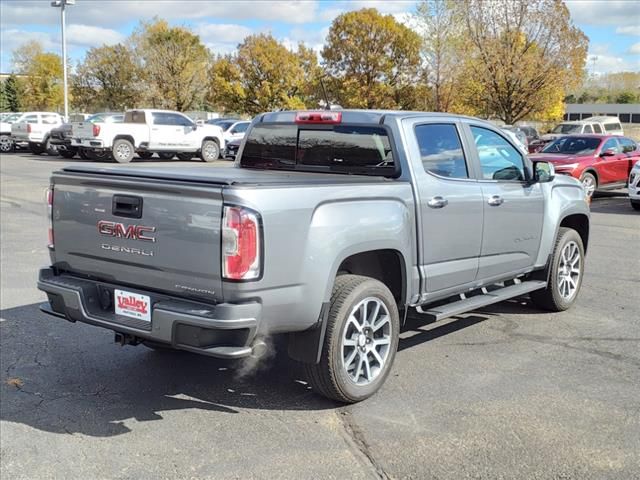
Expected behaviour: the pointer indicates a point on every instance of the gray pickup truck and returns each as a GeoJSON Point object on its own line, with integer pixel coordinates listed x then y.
{"type": "Point", "coordinates": [330, 228]}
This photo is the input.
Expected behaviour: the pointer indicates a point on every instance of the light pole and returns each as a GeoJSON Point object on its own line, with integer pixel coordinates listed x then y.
{"type": "Point", "coordinates": [62, 4]}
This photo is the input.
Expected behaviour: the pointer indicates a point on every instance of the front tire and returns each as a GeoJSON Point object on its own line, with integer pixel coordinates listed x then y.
{"type": "Point", "coordinates": [635, 204]}
{"type": "Point", "coordinates": [210, 151]}
{"type": "Point", "coordinates": [6, 144]}
{"type": "Point", "coordinates": [567, 270]}
{"type": "Point", "coordinates": [590, 183]}
{"type": "Point", "coordinates": [122, 151]}
{"type": "Point", "coordinates": [360, 342]}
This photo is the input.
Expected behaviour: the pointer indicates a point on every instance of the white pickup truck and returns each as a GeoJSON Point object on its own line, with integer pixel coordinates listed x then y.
{"type": "Point", "coordinates": [145, 132]}
{"type": "Point", "coordinates": [33, 130]}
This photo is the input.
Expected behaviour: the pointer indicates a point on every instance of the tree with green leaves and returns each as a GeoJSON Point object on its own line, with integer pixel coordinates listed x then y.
{"type": "Point", "coordinates": [41, 83]}
{"type": "Point", "coordinates": [173, 63]}
{"type": "Point", "coordinates": [371, 59]}
{"type": "Point", "coordinates": [108, 78]}
{"type": "Point", "coordinates": [262, 76]}
{"type": "Point", "coordinates": [519, 64]}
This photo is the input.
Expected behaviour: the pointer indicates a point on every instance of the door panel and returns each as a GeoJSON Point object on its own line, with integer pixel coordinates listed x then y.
{"type": "Point", "coordinates": [450, 206]}
{"type": "Point", "coordinates": [513, 209]}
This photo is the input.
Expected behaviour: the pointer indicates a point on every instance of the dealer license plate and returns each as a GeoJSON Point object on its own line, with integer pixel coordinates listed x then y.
{"type": "Point", "coordinates": [132, 305]}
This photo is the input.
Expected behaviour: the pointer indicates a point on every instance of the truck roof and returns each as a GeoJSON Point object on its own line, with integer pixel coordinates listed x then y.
{"type": "Point", "coordinates": [366, 116]}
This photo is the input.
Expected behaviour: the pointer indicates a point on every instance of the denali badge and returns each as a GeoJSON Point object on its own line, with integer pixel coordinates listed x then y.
{"type": "Point", "coordinates": [133, 232]}
{"type": "Point", "coordinates": [130, 250]}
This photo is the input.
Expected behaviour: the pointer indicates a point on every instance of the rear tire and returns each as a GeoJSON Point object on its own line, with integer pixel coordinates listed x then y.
{"type": "Point", "coordinates": [6, 144]}
{"type": "Point", "coordinates": [210, 151]}
{"type": "Point", "coordinates": [590, 183]}
{"type": "Point", "coordinates": [635, 204]}
{"type": "Point", "coordinates": [363, 319]}
{"type": "Point", "coordinates": [67, 153]}
{"type": "Point", "coordinates": [82, 153]}
{"type": "Point", "coordinates": [50, 149]}
{"type": "Point", "coordinates": [36, 148]}
{"type": "Point", "coordinates": [122, 150]}
{"type": "Point", "coordinates": [567, 271]}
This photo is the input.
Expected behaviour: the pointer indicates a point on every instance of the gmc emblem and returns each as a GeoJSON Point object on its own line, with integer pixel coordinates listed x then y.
{"type": "Point", "coordinates": [119, 230]}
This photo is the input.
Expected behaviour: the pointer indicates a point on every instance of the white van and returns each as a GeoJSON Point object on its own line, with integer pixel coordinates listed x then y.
{"type": "Point", "coordinates": [611, 125]}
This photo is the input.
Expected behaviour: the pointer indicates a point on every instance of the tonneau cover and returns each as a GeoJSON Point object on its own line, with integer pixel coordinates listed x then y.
{"type": "Point", "coordinates": [223, 175]}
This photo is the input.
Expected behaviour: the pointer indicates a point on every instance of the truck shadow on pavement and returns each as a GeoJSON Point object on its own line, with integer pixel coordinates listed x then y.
{"type": "Point", "coordinates": [71, 378]}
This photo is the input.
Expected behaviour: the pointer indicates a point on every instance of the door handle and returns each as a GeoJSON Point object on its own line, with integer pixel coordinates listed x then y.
{"type": "Point", "coordinates": [495, 200]}
{"type": "Point", "coordinates": [438, 202]}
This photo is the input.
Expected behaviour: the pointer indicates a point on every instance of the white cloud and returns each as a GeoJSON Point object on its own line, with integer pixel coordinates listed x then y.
{"type": "Point", "coordinates": [222, 38]}
{"type": "Point", "coordinates": [604, 12]}
{"type": "Point", "coordinates": [117, 12]}
{"type": "Point", "coordinates": [629, 30]}
{"type": "Point", "coordinates": [610, 63]}
{"type": "Point", "coordinates": [635, 49]}
{"type": "Point", "coordinates": [90, 36]}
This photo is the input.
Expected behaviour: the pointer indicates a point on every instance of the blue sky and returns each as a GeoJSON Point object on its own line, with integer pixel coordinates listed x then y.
{"type": "Point", "coordinates": [613, 26]}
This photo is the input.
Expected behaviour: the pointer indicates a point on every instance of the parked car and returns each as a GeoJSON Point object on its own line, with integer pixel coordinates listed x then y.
{"type": "Point", "coordinates": [609, 125]}
{"type": "Point", "coordinates": [62, 137]}
{"type": "Point", "coordinates": [6, 142]}
{"type": "Point", "coordinates": [233, 129]}
{"type": "Point", "coordinates": [151, 131]}
{"type": "Point", "coordinates": [33, 130]}
{"type": "Point", "coordinates": [530, 132]}
{"type": "Point", "coordinates": [600, 162]}
{"type": "Point", "coordinates": [517, 135]}
{"type": "Point", "coordinates": [634, 186]}
{"type": "Point", "coordinates": [567, 128]}
{"type": "Point", "coordinates": [329, 228]}
{"type": "Point", "coordinates": [231, 149]}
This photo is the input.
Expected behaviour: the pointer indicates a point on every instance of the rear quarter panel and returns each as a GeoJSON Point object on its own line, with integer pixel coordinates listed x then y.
{"type": "Point", "coordinates": [308, 232]}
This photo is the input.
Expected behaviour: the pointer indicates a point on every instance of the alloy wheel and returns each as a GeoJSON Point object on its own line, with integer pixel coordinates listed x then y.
{"type": "Point", "coordinates": [569, 270]}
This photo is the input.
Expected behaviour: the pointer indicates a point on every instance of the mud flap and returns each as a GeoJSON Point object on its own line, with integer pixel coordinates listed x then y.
{"type": "Point", "coordinates": [306, 346]}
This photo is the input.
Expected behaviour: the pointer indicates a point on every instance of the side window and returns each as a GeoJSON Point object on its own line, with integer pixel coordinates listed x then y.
{"type": "Point", "coordinates": [627, 145]}
{"type": "Point", "coordinates": [179, 120]}
{"type": "Point", "coordinates": [160, 118]}
{"type": "Point", "coordinates": [135, 117]}
{"type": "Point", "coordinates": [588, 129]}
{"type": "Point", "coordinates": [611, 143]}
{"type": "Point", "coordinates": [50, 119]}
{"type": "Point", "coordinates": [30, 119]}
{"type": "Point", "coordinates": [596, 128]}
{"type": "Point", "coordinates": [441, 150]}
{"type": "Point", "coordinates": [610, 127]}
{"type": "Point", "coordinates": [499, 160]}
{"type": "Point", "coordinates": [241, 127]}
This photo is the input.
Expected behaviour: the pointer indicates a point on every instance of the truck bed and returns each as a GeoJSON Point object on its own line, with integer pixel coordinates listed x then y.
{"type": "Point", "coordinates": [225, 175]}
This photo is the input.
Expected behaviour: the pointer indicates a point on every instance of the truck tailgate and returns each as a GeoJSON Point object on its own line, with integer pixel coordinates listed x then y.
{"type": "Point", "coordinates": [158, 236]}
{"type": "Point", "coordinates": [82, 129]}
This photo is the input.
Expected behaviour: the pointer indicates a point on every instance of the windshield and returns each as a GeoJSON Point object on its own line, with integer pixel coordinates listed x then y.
{"type": "Point", "coordinates": [567, 128]}
{"type": "Point", "coordinates": [12, 118]}
{"type": "Point", "coordinates": [573, 146]}
{"type": "Point", "coordinates": [323, 148]}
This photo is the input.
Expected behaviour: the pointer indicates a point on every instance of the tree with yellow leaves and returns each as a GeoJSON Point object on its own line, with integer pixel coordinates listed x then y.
{"type": "Point", "coordinates": [41, 81]}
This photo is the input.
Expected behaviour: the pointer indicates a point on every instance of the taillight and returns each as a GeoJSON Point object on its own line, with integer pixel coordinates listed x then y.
{"type": "Point", "coordinates": [96, 130]}
{"type": "Point", "coordinates": [50, 215]}
{"type": "Point", "coordinates": [28, 128]}
{"type": "Point", "coordinates": [319, 117]}
{"type": "Point", "coordinates": [241, 249]}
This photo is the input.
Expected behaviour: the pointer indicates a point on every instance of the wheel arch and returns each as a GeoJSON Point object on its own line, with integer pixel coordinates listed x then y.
{"type": "Point", "coordinates": [580, 223]}
{"type": "Point", "coordinates": [124, 137]}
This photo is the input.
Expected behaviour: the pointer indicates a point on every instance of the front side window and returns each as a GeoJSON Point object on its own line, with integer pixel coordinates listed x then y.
{"type": "Point", "coordinates": [612, 144]}
{"type": "Point", "coordinates": [241, 127]}
{"type": "Point", "coordinates": [499, 160]}
{"type": "Point", "coordinates": [627, 145]}
{"type": "Point", "coordinates": [441, 150]}
{"type": "Point", "coordinates": [596, 128]}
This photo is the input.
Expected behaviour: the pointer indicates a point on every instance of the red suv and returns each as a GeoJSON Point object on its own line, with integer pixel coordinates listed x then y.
{"type": "Point", "coordinates": [600, 162]}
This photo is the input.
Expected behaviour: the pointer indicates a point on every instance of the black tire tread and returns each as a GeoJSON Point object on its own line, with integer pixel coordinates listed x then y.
{"type": "Point", "coordinates": [547, 298]}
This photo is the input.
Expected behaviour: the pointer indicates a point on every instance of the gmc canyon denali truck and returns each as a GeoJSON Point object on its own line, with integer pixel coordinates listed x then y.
{"type": "Point", "coordinates": [330, 227]}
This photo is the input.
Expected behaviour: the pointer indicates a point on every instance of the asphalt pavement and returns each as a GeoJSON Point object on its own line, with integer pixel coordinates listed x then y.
{"type": "Point", "coordinates": [504, 392]}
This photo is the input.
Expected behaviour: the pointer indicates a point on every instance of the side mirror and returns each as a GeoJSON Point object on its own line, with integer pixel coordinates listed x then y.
{"type": "Point", "coordinates": [194, 126]}
{"type": "Point", "coordinates": [609, 152]}
{"type": "Point", "coordinates": [543, 172]}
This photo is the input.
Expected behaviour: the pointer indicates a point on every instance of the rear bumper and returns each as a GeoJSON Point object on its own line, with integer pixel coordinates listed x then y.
{"type": "Point", "coordinates": [87, 143]}
{"type": "Point", "coordinates": [223, 330]}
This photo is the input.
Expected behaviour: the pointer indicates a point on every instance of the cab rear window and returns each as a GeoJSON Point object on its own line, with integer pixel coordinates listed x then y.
{"type": "Point", "coordinates": [343, 148]}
